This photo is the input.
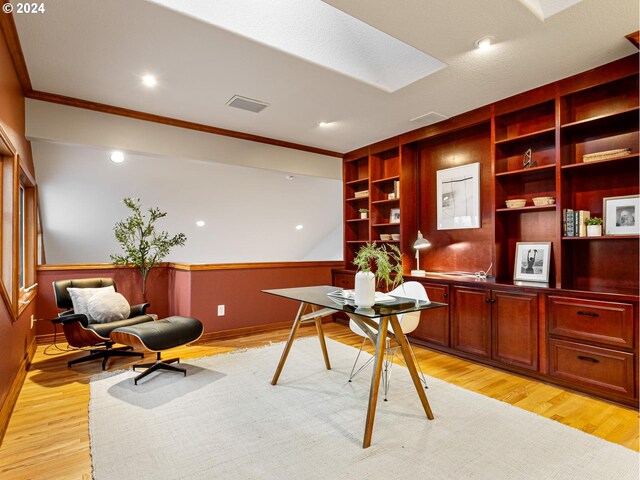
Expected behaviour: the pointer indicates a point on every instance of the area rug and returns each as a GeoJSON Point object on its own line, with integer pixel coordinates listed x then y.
{"type": "Point", "coordinates": [224, 420]}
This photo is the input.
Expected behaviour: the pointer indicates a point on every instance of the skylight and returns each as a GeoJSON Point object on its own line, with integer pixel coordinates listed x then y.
{"type": "Point", "coordinates": [319, 33]}
{"type": "Point", "coordinates": [544, 9]}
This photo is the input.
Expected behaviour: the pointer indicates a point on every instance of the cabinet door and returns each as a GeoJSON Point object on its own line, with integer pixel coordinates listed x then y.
{"type": "Point", "coordinates": [515, 328]}
{"type": "Point", "coordinates": [471, 321]}
{"type": "Point", "coordinates": [434, 324]}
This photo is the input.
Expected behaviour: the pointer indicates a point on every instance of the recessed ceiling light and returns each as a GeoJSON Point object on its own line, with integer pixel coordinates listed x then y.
{"type": "Point", "coordinates": [149, 81]}
{"type": "Point", "coordinates": [484, 42]}
{"type": "Point", "coordinates": [117, 157]}
{"type": "Point", "coordinates": [289, 177]}
{"type": "Point", "coordinates": [299, 227]}
{"type": "Point", "coordinates": [324, 124]}
{"type": "Point", "coordinates": [200, 223]}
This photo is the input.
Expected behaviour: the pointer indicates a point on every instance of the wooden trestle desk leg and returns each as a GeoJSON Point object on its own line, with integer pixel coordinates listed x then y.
{"type": "Point", "coordinates": [411, 366]}
{"type": "Point", "coordinates": [323, 344]}
{"type": "Point", "coordinates": [375, 380]}
{"type": "Point", "coordinates": [287, 347]}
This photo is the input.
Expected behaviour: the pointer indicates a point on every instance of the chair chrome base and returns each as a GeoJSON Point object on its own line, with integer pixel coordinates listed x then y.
{"type": "Point", "coordinates": [106, 353]}
{"type": "Point", "coordinates": [159, 364]}
{"type": "Point", "coordinates": [389, 353]}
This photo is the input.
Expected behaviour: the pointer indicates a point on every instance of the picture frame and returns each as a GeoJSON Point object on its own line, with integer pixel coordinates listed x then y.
{"type": "Point", "coordinates": [394, 215]}
{"type": "Point", "coordinates": [458, 197]}
{"type": "Point", "coordinates": [532, 262]}
{"type": "Point", "coordinates": [620, 215]}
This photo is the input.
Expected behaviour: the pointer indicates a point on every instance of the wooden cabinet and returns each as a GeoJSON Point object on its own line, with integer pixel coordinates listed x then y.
{"type": "Point", "coordinates": [496, 324]}
{"type": "Point", "coordinates": [603, 370]}
{"type": "Point", "coordinates": [591, 345]}
{"type": "Point", "coordinates": [514, 328]}
{"type": "Point", "coordinates": [471, 321]}
{"type": "Point", "coordinates": [434, 324]}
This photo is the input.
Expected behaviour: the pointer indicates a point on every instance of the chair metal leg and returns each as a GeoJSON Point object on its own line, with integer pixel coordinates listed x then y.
{"type": "Point", "coordinates": [159, 364]}
{"type": "Point", "coordinates": [356, 362]}
{"type": "Point", "coordinates": [415, 361]}
{"type": "Point", "coordinates": [105, 354]}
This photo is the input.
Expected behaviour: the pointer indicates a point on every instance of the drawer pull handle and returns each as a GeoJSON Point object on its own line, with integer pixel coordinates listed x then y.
{"type": "Point", "coordinates": [588, 359]}
{"type": "Point", "coordinates": [587, 314]}
{"type": "Point", "coordinates": [487, 300]}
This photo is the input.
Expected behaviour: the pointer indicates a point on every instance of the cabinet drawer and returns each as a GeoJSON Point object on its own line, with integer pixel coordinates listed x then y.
{"type": "Point", "coordinates": [609, 323]}
{"type": "Point", "coordinates": [344, 281]}
{"type": "Point", "coordinates": [602, 369]}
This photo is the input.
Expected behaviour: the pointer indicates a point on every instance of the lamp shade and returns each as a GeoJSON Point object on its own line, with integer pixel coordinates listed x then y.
{"type": "Point", "coordinates": [421, 242]}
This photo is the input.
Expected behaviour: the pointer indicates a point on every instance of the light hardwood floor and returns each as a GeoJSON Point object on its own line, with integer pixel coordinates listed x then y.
{"type": "Point", "coordinates": [48, 434]}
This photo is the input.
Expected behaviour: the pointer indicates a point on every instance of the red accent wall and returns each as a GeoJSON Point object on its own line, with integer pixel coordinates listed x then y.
{"type": "Point", "coordinates": [14, 336]}
{"type": "Point", "coordinates": [197, 293]}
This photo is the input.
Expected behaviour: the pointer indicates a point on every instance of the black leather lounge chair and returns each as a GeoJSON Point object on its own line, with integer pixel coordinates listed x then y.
{"type": "Point", "coordinates": [80, 333]}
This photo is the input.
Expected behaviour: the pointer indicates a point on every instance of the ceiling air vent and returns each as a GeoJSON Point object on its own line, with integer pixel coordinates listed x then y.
{"type": "Point", "coordinates": [429, 118]}
{"type": "Point", "coordinates": [248, 104]}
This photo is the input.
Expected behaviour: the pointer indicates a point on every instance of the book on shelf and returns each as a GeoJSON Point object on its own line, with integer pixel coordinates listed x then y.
{"type": "Point", "coordinates": [361, 193]}
{"type": "Point", "coordinates": [396, 188]}
{"type": "Point", "coordinates": [573, 222]}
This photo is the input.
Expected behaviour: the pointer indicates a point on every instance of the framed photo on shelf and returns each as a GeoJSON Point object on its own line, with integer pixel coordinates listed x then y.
{"type": "Point", "coordinates": [394, 216]}
{"type": "Point", "coordinates": [621, 215]}
{"type": "Point", "coordinates": [532, 261]}
{"type": "Point", "coordinates": [458, 197]}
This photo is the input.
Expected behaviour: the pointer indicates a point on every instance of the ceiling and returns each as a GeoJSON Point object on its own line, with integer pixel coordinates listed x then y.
{"type": "Point", "coordinates": [98, 50]}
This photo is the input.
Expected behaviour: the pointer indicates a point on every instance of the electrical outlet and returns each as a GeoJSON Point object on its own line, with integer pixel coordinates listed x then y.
{"type": "Point", "coordinates": [221, 310]}
{"type": "Point", "coordinates": [33, 321]}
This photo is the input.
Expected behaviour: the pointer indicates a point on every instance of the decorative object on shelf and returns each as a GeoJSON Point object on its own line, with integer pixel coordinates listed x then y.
{"type": "Point", "coordinates": [532, 261]}
{"type": "Point", "coordinates": [396, 189]}
{"type": "Point", "coordinates": [621, 215]}
{"type": "Point", "coordinates": [540, 201]}
{"type": "Point", "coordinates": [526, 159]}
{"type": "Point", "coordinates": [594, 226]}
{"type": "Point", "coordinates": [419, 244]}
{"type": "Point", "coordinates": [606, 155]}
{"type": "Point", "coordinates": [391, 196]}
{"type": "Point", "coordinates": [143, 246]}
{"type": "Point", "coordinates": [388, 262]}
{"type": "Point", "coordinates": [516, 203]}
{"type": "Point", "coordinates": [385, 237]}
{"type": "Point", "coordinates": [458, 197]}
{"type": "Point", "coordinates": [394, 216]}
{"type": "Point", "coordinates": [364, 212]}
{"type": "Point", "coordinates": [361, 194]}
{"type": "Point", "coordinates": [395, 237]}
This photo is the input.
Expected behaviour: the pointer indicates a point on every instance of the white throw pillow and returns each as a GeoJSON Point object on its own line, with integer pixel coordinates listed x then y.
{"type": "Point", "coordinates": [108, 307]}
{"type": "Point", "coordinates": [80, 297]}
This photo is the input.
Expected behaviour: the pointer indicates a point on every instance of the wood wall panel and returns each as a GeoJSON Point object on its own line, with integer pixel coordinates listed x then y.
{"type": "Point", "coordinates": [466, 249]}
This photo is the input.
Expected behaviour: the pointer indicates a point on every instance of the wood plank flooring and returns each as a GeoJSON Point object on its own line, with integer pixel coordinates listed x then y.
{"type": "Point", "coordinates": [48, 434]}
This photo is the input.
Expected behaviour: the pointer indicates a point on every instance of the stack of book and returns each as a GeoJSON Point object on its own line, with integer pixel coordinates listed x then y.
{"type": "Point", "coordinates": [361, 194]}
{"type": "Point", "coordinates": [573, 222]}
{"type": "Point", "coordinates": [396, 188]}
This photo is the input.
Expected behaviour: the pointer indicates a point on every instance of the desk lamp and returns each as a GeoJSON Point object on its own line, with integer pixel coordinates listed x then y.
{"type": "Point", "coordinates": [419, 244]}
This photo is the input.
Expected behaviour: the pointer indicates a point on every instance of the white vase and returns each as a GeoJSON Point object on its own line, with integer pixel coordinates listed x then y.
{"type": "Point", "coordinates": [594, 230]}
{"type": "Point", "coordinates": [363, 214]}
{"type": "Point", "coordinates": [365, 289]}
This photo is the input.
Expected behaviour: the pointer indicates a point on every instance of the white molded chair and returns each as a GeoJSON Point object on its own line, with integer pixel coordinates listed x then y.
{"type": "Point", "coordinates": [408, 322]}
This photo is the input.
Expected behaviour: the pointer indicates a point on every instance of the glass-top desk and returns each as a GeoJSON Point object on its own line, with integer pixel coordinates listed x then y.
{"type": "Point", "coordinates": [315, 304]}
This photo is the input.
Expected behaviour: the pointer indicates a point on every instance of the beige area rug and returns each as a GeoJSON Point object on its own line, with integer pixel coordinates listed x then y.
{"type": "Point", "coordinates": [224, 420]}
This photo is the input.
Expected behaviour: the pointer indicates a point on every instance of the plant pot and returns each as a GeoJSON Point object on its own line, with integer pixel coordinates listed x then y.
{"type": "Point", "coordinates": [594, 230]}
{"type": "Point", "coordinates": [365, 295]}
{"type": "Point", "coordinates": [363, 215]}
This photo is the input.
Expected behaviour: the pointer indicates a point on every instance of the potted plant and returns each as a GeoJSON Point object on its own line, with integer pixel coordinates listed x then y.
{"type": "Point", "coordinates": [143, 246]}
{"type": "Point", "coordinates": [388, 269]}
{"type": "Point", "coordinates": [594, 227]}
{"type": "Point", "coordinates": [364, 212]}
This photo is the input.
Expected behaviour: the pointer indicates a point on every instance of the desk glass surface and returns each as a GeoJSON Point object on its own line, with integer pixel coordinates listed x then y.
{"type": "Point", "coordinates": [318, 296]}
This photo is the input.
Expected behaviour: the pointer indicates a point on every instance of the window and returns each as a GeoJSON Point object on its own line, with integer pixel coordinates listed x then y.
{"type": "Point", "coordinates": [21, 239]}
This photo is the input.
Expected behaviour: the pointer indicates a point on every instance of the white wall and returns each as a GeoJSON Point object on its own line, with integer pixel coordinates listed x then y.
{"type": "Point", "coordinates": [250, 213]}
{"type": "Point", "coordinates": [238, 187]}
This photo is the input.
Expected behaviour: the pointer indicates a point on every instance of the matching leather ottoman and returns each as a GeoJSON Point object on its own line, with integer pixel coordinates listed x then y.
{"type": "Point", "coordinates": [157, 336]}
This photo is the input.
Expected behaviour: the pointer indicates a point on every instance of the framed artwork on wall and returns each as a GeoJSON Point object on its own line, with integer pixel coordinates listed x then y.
{"type": "Point", "coordinates": [458, 197]}
{"type": "Point", "coordinates": [532, 261]}
{"type": "Point", "coordinates": [621, 215]}
{"type": "Point", "coordinates": [394, 216]}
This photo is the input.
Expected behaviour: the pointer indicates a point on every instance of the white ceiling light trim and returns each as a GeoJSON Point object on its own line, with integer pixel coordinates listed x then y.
{"type": "Point", "coordinates": [319, 33]}
{"type": "Point", "coordinates": [544, 9]}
